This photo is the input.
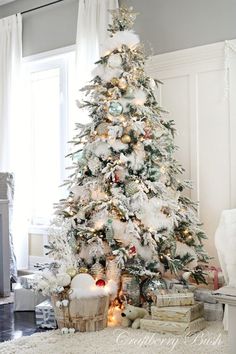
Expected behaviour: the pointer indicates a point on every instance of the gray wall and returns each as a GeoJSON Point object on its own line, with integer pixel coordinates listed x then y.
{"type": "Point", "coordinates": [48, 28]}
{"type": "Point", "coordinates": [164, 25]}
{"type": "Point", "coordinates": [177, 24]}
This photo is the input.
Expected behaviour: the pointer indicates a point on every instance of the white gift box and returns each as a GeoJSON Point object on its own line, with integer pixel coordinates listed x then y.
{"type": "Point", "coordinates": [25, 299]}
{"type": "Point", "coordinates": [44, 315]}
{"type": "Point", "coordinates": [27, 281]}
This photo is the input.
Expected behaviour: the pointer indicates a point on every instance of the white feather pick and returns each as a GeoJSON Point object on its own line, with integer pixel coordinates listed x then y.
{"type": "Point", "coordinates": [128, 38]}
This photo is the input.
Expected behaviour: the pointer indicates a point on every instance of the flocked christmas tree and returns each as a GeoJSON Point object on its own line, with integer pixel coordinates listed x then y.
{"type": "Point", "coordinates": [126, 200]}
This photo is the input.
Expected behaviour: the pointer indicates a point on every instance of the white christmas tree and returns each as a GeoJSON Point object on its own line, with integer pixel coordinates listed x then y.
{"type": "Point", "coordinates": [125, 197]}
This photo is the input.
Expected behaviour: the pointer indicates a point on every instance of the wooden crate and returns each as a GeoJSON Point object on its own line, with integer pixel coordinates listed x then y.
{"type": "Point", "coordinates": [183, 328]}
{"type": "Point", "coordinates": [178, 313]}
{"type": "Point", "coordinates": [174, 299]}
{"type": "Point", "coordinates": [85, 315]}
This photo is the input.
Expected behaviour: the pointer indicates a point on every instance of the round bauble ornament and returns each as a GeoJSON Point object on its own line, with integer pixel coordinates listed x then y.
{"type": "Point", "coordinates": [102, 129]}
{"type": "Point", "coordinates": [152, 286]}
{"type": "Point", "coordinates": [115, 108]}
{"type": "Point", "coordinates": [126, 139]}
{"type": "Point", "coordinates": [114, 61]}
{"type": "Point", "coordinates": [101, 283]}
{"type": "Point", "coordinates": [82, 281]}
{"type": "Point", "coordinates": [122, 84]}
{"type": "Point", "coordinates": [129, 93]}
{"type": "Point", "coordinates": [63, 279]}
{"type": "Point", "coordinates": [71, 272]}
{"type": "Point", "coordinates": [131, 188]}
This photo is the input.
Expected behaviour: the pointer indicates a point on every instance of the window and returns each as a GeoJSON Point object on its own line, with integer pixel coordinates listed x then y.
{"type": "Point", "coordinates": [52, 111]}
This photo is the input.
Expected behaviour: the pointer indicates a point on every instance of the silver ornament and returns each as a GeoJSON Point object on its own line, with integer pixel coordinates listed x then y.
{"type": "Point", "coordinates": [115, 108]}
{"type": "Point", "coordinates": [152, 286]}
{"type": "Point", "coordinates": [131, 188]}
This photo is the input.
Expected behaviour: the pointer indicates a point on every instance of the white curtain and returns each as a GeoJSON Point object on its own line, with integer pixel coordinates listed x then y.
{"type": "Point", "coordinates": [10, 62]}
{"type": "Point", "coordinates": [93, 20]}
{"type": "Point", "coordinates": [13, 142]}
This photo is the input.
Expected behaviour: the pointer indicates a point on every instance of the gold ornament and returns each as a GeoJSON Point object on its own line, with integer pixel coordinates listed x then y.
{"type": "Point", "coordinates": [122, 84]}
{"type": "Point", "coordinates": [102, 129]}
{"type": "Point", "coordinates": [114, 81]}
{"type": "Point", "coordinates": [83, 270]}
{"type": "Point", "coordinates": [126, 139]}
{"type": "Point", "coordinates": [71, 272]}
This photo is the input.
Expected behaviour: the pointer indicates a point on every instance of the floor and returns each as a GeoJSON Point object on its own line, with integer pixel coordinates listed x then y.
{"type": "Point", "coordinates": [16, 324]}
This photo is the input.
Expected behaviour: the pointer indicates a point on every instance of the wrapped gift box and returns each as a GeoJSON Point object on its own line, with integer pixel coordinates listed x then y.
{"type": "Point", "coordinates": [174, 299]}
{"type": "Point", "coordinates": [183, 328]}
{"type": "Point", "coordinates": [177, 287]}
{"type": "Point", "coordinates": [44, 315]}
{"type": "Point", "coordinates": [214, 278]}
{"type": "Point", "coordinates": [27, 281]}
{"type": "Point", "coordinates": [178, 313]}
{"type": "Point", "coordinates": [25, 299]}
{"type": "Point", "coordinates": [205, 295]}
{"type": "Point", "coordinates": [213, 312]}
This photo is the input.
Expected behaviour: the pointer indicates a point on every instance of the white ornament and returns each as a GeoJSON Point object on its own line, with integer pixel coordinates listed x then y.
{"type": "Point", "coordinates": [63, 279]}
{"type": "Point", "coordinates": [65, 303]}
{"type": "Point", "coordinates": [82, 280]}
{"type": "Point", "coordinates": [114, 61]}
{"type": "Point", "coordinates": [64, 330]}
{"type": "Point", "coordinates": [59, 289]}
{"type": "Point", "coordinates": [71, 330]}
{"type": "Point", "coordinates": [128, 38]}
{"type": "Point", "coordinates": [140, 97]}
{"type": "Point", "coordinates": [106, 73]}
{"type": "Point", "coordinates": [101, 149]}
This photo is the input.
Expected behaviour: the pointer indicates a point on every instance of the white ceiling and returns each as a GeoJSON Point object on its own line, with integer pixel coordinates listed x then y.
{"type": "Point", "coordinates": [2, 2]}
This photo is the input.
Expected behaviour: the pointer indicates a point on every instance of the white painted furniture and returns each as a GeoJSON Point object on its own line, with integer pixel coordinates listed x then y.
{"type": "Point", "coordinates": [227, 295]}
{"type": "Point", "coordinates": [194, 93]}
{"type": "Point", "coordinates": [4, 249]}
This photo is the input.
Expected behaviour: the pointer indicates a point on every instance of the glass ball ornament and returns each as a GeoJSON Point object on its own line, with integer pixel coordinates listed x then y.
{"type": "Point", "coordinates": [115, 108]}
{"type": "Point", "coordinates": [152, 286]}
{"type": "Point", "coordinates": [71, 272]}
{"type": "Point", "coordinates": [101, 283]}
{"type": "Point", "coordinates": [102, 129]}
{"type": "Point", "coordinates": [126, 139]}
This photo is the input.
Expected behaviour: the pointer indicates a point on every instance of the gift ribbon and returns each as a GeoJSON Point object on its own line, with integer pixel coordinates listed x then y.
{"type": "Point", "coordinates": [216, 272]}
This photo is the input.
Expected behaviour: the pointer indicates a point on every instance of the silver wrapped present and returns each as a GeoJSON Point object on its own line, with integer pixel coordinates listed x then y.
{"type": "Point", "coordinates": [204, 295]}
{"type": "Point", "coordinates": [44, 315]}
{"type": "Point", "coordinates": [213, 312]}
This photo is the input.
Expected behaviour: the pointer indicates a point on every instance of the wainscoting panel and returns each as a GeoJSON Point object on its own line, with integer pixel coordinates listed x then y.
{"type": "Point", "coordinates": [195, 94]}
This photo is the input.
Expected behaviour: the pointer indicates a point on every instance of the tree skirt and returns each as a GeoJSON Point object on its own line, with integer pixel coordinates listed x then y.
{"type": "Point", "coordinates": [119, 340]}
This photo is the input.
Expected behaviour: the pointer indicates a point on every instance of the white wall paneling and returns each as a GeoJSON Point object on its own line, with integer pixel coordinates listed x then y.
{"type": "Point", "coordinates": [194, 94]}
